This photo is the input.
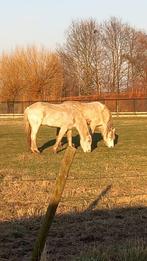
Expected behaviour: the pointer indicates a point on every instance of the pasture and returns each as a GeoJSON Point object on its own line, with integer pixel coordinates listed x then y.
{"type": "Point", "coordinates": [104, 206]}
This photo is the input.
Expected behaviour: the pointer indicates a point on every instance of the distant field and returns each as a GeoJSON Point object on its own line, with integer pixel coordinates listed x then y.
{"type": "Point", "coordinates": [105, 199]}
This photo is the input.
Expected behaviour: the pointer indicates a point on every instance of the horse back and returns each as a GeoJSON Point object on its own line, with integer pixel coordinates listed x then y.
{"type": "Point", "coordinates": [35, 112]}
{"type": "Point", "coordinates": [49, 114]}
{"type": "Point", "coordinates": [95, 112]}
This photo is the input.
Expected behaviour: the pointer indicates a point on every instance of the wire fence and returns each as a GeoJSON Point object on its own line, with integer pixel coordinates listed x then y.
{"type": "Point", "coordinates": [116, 105]}
{"type": "Point", "coordinates": [75, 198]}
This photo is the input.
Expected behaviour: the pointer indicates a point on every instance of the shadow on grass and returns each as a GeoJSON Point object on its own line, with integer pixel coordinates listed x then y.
{"type": "Point", "coordinates": [97, 137]}
{"type": "Point", "coordinates": [76, 232]}
{"type": "Point", "coordinates": [50, 143]}
{"type": "Point", "coordinates": [96, 201]}
{"type": "Point", "coordinates": [116, 139]}
{"type": "Point", "coordinates": [46, 145]}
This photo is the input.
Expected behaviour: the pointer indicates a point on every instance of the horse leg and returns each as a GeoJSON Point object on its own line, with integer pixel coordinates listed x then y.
{"type": "Point", "coordinates": [33, 139]}
{"type": "Point", "coordinates": [92, 128]}
{"type": "Point", "coordinates": [62, 131]}
{"type": "Point", "coordinates": [69, 138]}
{"type": "Point", "coordinates": [57, 133]}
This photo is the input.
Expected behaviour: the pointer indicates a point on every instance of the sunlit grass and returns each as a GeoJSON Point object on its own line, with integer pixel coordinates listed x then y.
{"type": "Point", "coordinates": [129, 154]}
{"type": "Point", "coordinates": [104, 198]}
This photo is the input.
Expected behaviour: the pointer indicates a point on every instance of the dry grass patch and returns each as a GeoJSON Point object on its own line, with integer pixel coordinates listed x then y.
{"type": "Point", "coordinates": [104, 204]}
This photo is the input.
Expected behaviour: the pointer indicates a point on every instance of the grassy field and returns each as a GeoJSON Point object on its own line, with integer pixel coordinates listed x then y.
{"type": "Point", "coordinates": [104, 207]}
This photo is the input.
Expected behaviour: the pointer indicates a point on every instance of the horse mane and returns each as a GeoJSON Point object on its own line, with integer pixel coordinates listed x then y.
{"type": "Point", "coordinates": [79, 118]}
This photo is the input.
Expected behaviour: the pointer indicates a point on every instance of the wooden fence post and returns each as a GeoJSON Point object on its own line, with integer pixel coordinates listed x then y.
{"type": "Point", "coordinates": [54, 201]}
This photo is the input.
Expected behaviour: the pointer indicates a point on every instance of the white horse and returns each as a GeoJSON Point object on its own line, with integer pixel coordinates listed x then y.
{"type": "Point", "coordinates": [56, 115]}
{"type": "Point", "coordinates": [96, 115]}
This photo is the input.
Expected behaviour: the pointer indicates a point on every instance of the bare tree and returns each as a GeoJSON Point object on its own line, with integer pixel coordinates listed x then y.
{"type": "Point", "coordinates": [111, 57]}
{"type": "Point", "coordinates": [81, 57]}
{"type": "Point", "coordinates": [115, 39]}
{"type": "Point", "coordinates": [31, 74]}
{"type": "Point", "coordinates": [10, 75]}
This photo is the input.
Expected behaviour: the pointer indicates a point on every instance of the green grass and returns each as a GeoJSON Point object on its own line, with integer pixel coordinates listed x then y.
{"type": "Point", "coordinates": [128, 155]}
{"type": "Point", "coordinates": [118, 173]}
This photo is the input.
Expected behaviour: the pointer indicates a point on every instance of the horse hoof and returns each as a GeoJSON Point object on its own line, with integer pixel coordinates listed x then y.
{"type": "Point", "coordinates": [72, 146]}
{"type": "Point", "coordinates": [54, 150]}
{"type": "Point", "coordinates": [35, 151]}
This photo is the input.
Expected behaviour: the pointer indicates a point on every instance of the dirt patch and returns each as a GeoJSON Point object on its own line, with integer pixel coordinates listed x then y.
{"type": "Point", "coordinates": [74, 233]}
{"type": "Point", "coordinates": [89, 216]}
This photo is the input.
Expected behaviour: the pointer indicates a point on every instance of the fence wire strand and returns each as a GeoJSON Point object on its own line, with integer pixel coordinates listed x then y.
{"type": "Point", "coordinates": [74, 179]}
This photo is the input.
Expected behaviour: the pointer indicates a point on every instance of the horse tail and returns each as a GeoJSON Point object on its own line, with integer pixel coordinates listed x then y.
{"type": "Point", "coordinates": [27, 126]}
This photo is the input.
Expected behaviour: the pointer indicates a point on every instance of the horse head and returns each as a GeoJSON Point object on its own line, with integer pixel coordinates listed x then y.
{"type": "Point", "coordinates": [109, 137]}
{"type": "Point", "coordinates": [86, 143]}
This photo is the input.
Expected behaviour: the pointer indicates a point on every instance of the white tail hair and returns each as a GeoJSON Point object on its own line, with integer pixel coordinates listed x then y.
{"type": "Point", "coordinates": [27, 127]}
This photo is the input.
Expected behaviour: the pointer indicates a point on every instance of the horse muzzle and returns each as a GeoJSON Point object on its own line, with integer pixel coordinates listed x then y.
{"type": "Point", "coordinates": [87, 151]}
{"type": "Point", "coordinates": [111, 146]}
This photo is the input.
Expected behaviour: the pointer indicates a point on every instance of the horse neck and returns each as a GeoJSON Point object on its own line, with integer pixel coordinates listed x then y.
{"type": "Point", "coordinates": [81, 125]}
{"type": "Point", "coordinates": [107, 120]}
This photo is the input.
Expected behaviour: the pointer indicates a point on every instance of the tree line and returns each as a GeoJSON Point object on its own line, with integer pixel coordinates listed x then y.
{"type": "Point", "coordinates": [96, 58]}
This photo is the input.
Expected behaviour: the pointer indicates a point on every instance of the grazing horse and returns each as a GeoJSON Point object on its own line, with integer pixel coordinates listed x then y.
{"type": "Point", "coordinates": [96, 115]}
{"type": "Point", "coordinates": [56, 115]}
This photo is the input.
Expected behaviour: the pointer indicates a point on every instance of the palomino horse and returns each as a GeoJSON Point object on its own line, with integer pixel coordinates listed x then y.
{"type": "Point", "coordinates": [56, 115]}
{"type": "Point", "coordinates": [96, 115]}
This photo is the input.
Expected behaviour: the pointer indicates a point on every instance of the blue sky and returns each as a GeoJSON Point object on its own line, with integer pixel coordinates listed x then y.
{"type": "Point", "coordinates": [44, 22]}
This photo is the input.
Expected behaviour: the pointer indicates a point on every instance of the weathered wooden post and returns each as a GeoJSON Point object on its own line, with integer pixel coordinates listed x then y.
{"type": "Point", "coordinates": [54, 201]}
